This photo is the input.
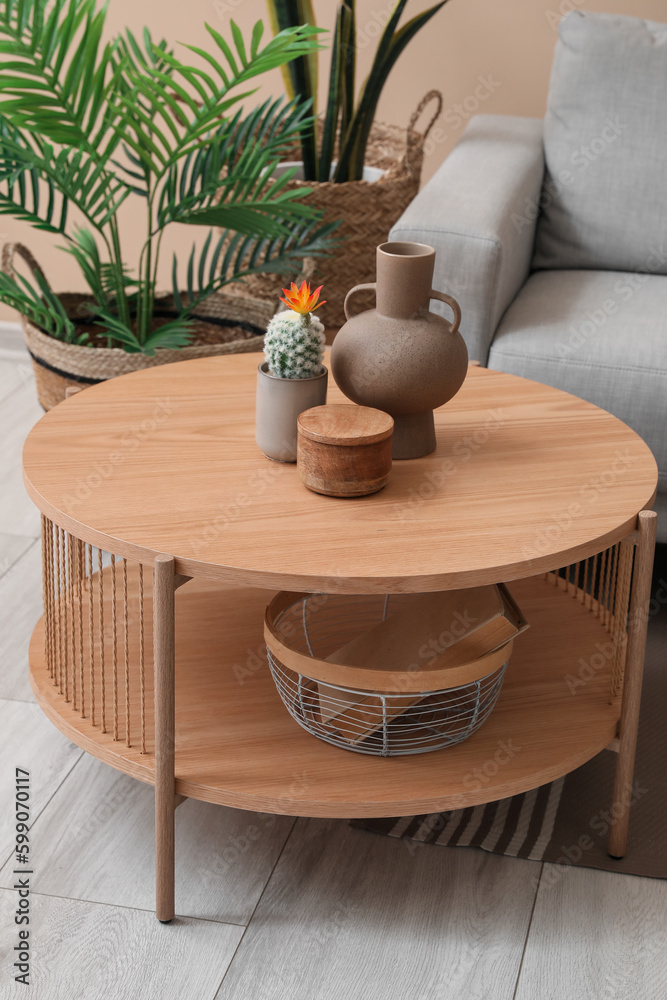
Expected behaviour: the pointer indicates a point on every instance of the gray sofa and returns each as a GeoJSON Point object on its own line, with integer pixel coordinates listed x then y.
{"type": "Point", "coordinates": [553, 234]}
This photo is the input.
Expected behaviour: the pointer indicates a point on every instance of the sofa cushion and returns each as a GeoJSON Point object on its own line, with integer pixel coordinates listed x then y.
{"type": "Point", "coordinates": [601, 335]}
{"type": "Point", "coordinates": [604, 201]}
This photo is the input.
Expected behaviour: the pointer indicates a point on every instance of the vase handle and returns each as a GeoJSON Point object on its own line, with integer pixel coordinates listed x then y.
{"type": "Point", "coordinates": [358, 288]}
{"type": "Point", "coordinates": [452, 303]}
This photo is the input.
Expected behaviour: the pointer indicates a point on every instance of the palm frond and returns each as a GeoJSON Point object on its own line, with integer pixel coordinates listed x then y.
{"type": "Point", "coordinates": [101, 277]}
{"type": "Point", "coordinates": [118, 330]}
{"type": "Point", "coordinates": [54, 77]}
{"type": "Point", "coordinates": [39, 304]}
{"type": "Point", "coordinates": [69, 175]}
{"type": "Point", "coordinates": [235, 256]}
{"type": "Point", "coordinates": [152, 95]}
{"type": "Point", "coordinates": [229, 181]}
{"type": "Point", "coordinates": [89, 123]}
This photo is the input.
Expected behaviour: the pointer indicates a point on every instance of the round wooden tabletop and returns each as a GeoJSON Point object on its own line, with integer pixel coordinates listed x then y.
{"type": "Point", "coordinates": [525, 478]}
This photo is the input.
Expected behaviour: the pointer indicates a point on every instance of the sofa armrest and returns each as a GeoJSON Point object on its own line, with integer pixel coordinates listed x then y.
{"type": "Point", "coordinates": [479, 212]}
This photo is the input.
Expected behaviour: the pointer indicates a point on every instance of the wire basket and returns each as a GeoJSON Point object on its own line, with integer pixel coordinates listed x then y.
{"type": "Point", "coordinates": [303, 630]}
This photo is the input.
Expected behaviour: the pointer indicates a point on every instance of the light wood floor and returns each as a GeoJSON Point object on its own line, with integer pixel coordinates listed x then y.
{"type": "Point", "coordinates": [272, 908]}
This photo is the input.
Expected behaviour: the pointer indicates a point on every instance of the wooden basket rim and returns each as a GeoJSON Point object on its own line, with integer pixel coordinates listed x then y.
{"type": "Point", "coordinates": [382, 681]}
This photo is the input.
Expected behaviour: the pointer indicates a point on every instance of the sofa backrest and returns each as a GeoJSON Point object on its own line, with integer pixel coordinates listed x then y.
{"type": "Point", "coordinates": [604, 201]}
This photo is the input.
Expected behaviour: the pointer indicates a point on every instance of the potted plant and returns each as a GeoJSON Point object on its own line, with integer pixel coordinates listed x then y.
{"type": "Point", "coordinates": [359, 171]}
{"type": "Point", "coordinates": [292, 377]}
{"type": "Point", "coordinates": [88, 125]}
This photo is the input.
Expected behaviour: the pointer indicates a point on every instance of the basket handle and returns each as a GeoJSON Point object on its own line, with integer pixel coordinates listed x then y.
{"type": "Point", "coordinates": [357, 288]}
{"type": "Point", "coordinates": [7, 261]}
{"type": "Point", "coordinates": [432, 95]}
{"type": "Point", "coordinates": [453, 305]}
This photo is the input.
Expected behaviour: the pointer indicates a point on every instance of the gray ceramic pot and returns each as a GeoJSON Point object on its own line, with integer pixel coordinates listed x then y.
{"type": "Point", "coordinates": [279, 403]}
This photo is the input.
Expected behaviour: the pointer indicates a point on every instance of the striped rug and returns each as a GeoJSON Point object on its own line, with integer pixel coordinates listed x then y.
{"type": "Point", "coordinates": [567, 821]}
{"type": "Point", "coordinates": [521, 826]}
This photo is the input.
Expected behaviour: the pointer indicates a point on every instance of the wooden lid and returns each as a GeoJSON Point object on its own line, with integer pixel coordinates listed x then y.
{"type": "Point", "coordinates": [345, 424]}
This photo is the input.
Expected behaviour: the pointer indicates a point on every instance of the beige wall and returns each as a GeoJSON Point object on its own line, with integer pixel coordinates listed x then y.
{"type": "Point", "coordinates": [497, 50]}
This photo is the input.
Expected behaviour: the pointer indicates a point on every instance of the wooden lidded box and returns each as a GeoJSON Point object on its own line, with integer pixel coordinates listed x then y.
{"type": "Point", "coordinates": [344, 450]}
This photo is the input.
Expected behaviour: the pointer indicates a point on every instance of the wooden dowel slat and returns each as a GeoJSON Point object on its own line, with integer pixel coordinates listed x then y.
{"type": "Point", "coordinates": [114, 647]}
{"type": "Point", "coordinates": [69, 621]}
{"type": "Point", "coordinates": [61, 599]}
{"type": "Point", "coordinates": [602, 595]}
{"type": "Point", "coordinates": [47, 569]}
{"type": "Point", "coordinates": [588, 582]}
{"type": "Point", "coordinates": [126, 637]}
{"type": "Point", "coordinates": [632, 684]}
{"type": "Point", "coordinates": [621, 614]}
{"type": "Point", "coordinates": [100, 595]}
{"type": "Point", "coordinates": [45, 591]}
{"type": "Point", "coordinates": [165, 784]}
{"type": "Point", "coordinates": [142, 665]}
{"type": "Point", "coordinates": [79, 598]}
{"type": "Point", "coordinates": [48, 546]}
{"type": "Point", "coordinates": [91, 635]}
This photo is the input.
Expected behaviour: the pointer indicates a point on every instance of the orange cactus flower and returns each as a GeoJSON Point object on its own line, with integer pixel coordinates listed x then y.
{"type": "Point", "coordinates": [302, 300]}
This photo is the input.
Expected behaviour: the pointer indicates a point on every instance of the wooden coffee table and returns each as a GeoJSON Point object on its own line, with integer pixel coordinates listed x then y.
{"type": "Point", "coordinates": [153, 480]}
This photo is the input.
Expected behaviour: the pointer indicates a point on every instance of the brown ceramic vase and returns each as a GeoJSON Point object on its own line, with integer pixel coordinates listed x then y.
{"type": "Point", "coordinates": [399, 357]}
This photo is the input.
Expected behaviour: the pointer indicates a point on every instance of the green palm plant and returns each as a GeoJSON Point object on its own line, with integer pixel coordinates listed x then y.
{"type": "Point", "coordinates": [349, 121]}
{"type": "Point", "coordinates": [88, 124]}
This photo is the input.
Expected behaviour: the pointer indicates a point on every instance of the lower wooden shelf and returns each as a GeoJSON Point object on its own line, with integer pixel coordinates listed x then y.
{"type": "Point", "coordinates": [236, 744]}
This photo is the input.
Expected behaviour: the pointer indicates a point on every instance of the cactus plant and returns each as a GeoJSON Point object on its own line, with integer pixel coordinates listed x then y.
{"type": "Point", "coordinates": [294, 341]}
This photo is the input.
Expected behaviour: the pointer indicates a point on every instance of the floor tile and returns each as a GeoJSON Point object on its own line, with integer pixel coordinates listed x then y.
{"type": "Point", "coordinates": [19, 411]}
{"type": "Point", "coordinates": [85, 951]}
{"type": "Point", "coordinates": [350, 914]}
{"type": "Point", "coordinates": [97, 843]}
{"type": "Point", "coordinates": [596, 934]}
{"type": "Point", "coordinates": [12, 548]}
{"type": "Point", "coordinates": [20, 609]}
{"type": "Point", "coordinates": [12, 342]}
{"type": "Point", "coordinates": [15, 372]}
{"type": "Point", "coordinates": [30, 742]}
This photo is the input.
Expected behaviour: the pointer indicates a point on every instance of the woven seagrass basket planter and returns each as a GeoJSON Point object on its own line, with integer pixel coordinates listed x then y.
{"type": "Point", "coordinates": [224, 324]}
{"type": "Point", "coordinates": [367, 210]}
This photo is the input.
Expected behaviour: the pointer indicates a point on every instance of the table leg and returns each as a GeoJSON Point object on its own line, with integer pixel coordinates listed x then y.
{"type": "Point", "coordinates": [164, 585]}
{"type": "Point", "coordinates": [632, 685]}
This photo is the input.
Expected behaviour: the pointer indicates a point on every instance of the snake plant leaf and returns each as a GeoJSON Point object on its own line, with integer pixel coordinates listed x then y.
{"type": "Point", "coordinates": [300, 75]}
{"type": "Point", "coordinates": [278, 19]}
{"type": "Point", "coordinates": [348, 47]}
{"type": "Point", "coordinates": [333, 112]}
{"type": "Point", "coordinates": [387, 35]}
{"type": "Point", "coordinates": [351, 162]}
